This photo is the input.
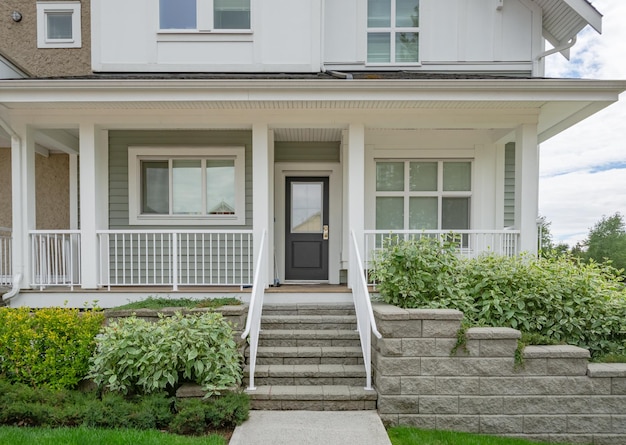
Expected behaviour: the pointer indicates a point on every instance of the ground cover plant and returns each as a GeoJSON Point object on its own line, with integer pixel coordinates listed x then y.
{"type": "Point", "coordinates": [553, 299]}
{"type": "Point", "coordinates": [135, 356]}
{"type": "Point", "coordinates": [412, 436]}
{"type": "Point", "coordinates": [47, 347]}
{"type": "Point", "coordinates": [191, 303]}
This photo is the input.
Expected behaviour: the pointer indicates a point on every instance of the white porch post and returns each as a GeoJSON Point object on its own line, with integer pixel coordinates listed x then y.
{"type": "Point", "coordinates": [73, 191]}
{"type": "Point", "coordinates": [93, 164]}
{"type": "Point", "coordinates": [261, 214]}
{"type": "Point", "coordinates": [527, 186]}
{"type": "Point", "coordinates": [356, 184]}
{"type": "Point", "coordinates": [23, 201]}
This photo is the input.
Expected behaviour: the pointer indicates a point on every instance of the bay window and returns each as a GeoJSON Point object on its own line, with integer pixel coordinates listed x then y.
{"type": "Point", "coordinates": [204, 15]}
{"type": "Point", "coordinates": [393, 31]}
{"type": "Point", "coordinates": [192, 186]}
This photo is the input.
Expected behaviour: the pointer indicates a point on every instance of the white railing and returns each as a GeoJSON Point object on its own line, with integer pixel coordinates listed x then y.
{"type": "Point", "coordinates": [469, 243]}
{"type": "Point", "coordinates": [366, 324]}
{"type": "Point", "coordinates": [6, 258]}
{"type": "Point", "coordinates": [55, 257]}
{"type": "Point", "coordinates": [253, 320]}
{"type": "Point", "coordinates": [175, 258]}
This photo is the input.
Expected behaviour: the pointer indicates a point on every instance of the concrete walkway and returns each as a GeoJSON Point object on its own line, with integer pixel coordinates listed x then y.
{"type": "Point", "coordinates": [311, 428]}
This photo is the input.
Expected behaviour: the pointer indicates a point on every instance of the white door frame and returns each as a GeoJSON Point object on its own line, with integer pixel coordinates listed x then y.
{"type": "Point", "coordinates": [334, 173]}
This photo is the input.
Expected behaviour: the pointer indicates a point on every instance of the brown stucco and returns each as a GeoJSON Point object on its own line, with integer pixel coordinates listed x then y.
{"type": "Point", "coordinates": [18, 43]}
{"type": "Point", "coordinates": [5, 187]}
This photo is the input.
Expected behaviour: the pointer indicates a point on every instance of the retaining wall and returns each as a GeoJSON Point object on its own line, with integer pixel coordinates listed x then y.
{"type": "Point", "coordinates": [556, 395]}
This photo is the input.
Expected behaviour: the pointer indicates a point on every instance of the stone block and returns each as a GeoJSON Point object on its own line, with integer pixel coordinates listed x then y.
{"type": "Point", "coordinates": [440, 328]}
{"type": "Point", "coordinates": [384, 311]}
{"type": "Point", "coordinates": [438, 405]}
{"type": "Point", "coordinates": [400, 328]}
{"type": "Point", "coordinates": [501, 425]}
{"type": "Point", "coordinates": [300, 405]}
{"type": "Point", "coordinates": [502, 386]}
{"type": "Point", "coordinates": [606, 370]}
{"type": "Point", "coordinates": [618, 386]}
{"type": "Point", "coordinates": [488, 366]}
{"type": "Point", "coordinates": [444, 347]}
{"type": "Point", "coordinates": [390, 366]}
{"type": "Point", "coordinates": [440, 366]}
{"type": "Point", "coordinates": [398, 404]}
{"type": "Point", "coordinates": [425, 422]}
{"type": "Point", "coordinates": [387, 385]}
{"type": "Point", "coordinates": [618, 424]}
{"type": "Point", "coordinates": [389, 420]}
{"type": "Point", "coordinates": [435, 314]}
{"type": "Point", "coordinates": [546, 405]}
{"type": "Point", "coordinates": [468, 424]}
{"type": "Point", "coordinates": [458, 385]}
{"type": "Point", "coordinates": [532, 366]}
{"type": "Point", "coordinates": [493, 334]}
{"type": "Point", "coordinates": [585, 424]}
{"type": "Point", "coordinates": [582, 439]}
{"type": "Point", "coordinates": [418, 385]}
{"type": "Point", "coordinates": [609, 439]}
{"type": "Point", "coordinates": [388, 346]}
{"type": "Point", "coordinates": [545, 424]}
{"type": "Point", "coordinates": [567, 366]}
{"type": "Point", "coordinates": [607, 405]}
{"type": "Point", "coordinates": [480, 405]}
{"type": "Point", "coordinates": [497, 348]}
{"type": "Point", "coordinates": [419, 347]}
{"type": "Point", "coordinates": [556, 351]}
{"type": "Point", "coordinates": [553, 385]}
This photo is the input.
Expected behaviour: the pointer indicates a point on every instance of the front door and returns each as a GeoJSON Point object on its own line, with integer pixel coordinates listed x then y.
{"type": "Point", "coordinates": [306, 228]}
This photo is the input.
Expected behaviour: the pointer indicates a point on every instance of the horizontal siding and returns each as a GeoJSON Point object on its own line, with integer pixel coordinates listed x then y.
{"type": "Point", "coordinates": [306, 152]}
{"type": "Point", "coordinates": [509, 185]}
{"type": "Point", "coordinates": [120, 140]}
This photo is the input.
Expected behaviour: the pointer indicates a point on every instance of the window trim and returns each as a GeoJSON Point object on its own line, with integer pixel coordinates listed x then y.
{"type": "Point", "coordinates": [393, 30]}
{"type": "Point", "coordinates": [138, 154]}
{"type": "Point", "coordinates": [205, 22]}
{"type": "Point", "coordinates": [440, 194]}
{"type": "Point", "coordinates": [43, 9]}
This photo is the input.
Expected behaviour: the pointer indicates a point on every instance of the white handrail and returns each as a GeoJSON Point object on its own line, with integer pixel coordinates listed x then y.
{"type": "Point", "coordinates": [366, 324]}
{"type": "Point", "coordinates": [6, 256]}
{"type": "Point", "coordinates": [253, 320]}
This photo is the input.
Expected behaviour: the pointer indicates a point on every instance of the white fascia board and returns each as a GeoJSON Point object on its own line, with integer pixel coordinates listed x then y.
{"type": "Point", "coordinates": [584, 9]}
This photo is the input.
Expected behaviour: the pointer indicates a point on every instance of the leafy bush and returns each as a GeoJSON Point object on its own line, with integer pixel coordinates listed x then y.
{"type": "Point", "coordinates": [194, 415]}
{"type": "Point", "coordinates": [137, 356]}
{"type": "Point", "coordinates": [552, 300]}
{"type": "Point", "coordinates": [49, 346]}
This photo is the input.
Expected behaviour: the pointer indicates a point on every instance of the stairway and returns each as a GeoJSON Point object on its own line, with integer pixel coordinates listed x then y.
{"type": "Point", "coordinates": [309, 358]}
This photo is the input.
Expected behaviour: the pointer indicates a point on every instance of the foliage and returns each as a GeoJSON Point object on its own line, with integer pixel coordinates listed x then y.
{"type": "Point", "coordinates": [555, 299]}
{"type": "Point", "coordinates": [49, 346]}
{"type": "Point", "coordinates": [607, 241]}
{"type": "Point", "coordinates": [402, 435]}
{"type": "Point", "coordinates": [21, 405]}
{"type": "Point", "coordinates": [137, 356]}
{"type": "Point", "coordinates": [99, 436]}
{"type": "Point", "coordinates": [160, 303]}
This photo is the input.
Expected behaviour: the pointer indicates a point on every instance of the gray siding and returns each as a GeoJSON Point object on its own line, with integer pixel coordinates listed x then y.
{"type": "Point", "coordinates": [509, 184]}
{"type": "Point", "coordinates": [306, 152]}
{"type": "Point", "coordinates": [120, 140]}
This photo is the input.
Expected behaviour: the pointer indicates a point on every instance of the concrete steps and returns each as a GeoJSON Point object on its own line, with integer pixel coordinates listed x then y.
{"type": "Point", "coordinates": [309, 358]}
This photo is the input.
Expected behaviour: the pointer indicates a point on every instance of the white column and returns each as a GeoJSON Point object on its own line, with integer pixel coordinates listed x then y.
{"type": "Point", "coordinates": [73, 191]}
{"type": "Point", "coordinates": [356, 183]}
{"type": "Point", "coordinates": [93, 165]}
{"type": "Point", "coordinates": [527, 186]}
{"type": "Point", "coordinates": [261, 192]}
{"type": "Point", "coordinates": [23, 201]}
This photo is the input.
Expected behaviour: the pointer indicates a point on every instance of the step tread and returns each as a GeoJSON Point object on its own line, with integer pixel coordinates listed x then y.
{"type": "Point", "coordinates": [310, 333]}
{"type": "Point", "coordinates": [308, 351]}
{"type": "Point", "coordinates": [310, 392]}
{"type": "Point", "coordinates": [308, 318]}
{"type": "Point", "coordinates": [307, 371]}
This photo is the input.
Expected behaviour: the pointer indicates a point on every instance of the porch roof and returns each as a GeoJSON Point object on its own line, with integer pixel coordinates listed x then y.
{"type": "Point", "coordinates": [555, 104]}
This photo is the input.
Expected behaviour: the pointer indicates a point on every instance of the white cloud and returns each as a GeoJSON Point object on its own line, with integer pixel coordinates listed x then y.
{"type": "Point", "coordinates": [577, 185]}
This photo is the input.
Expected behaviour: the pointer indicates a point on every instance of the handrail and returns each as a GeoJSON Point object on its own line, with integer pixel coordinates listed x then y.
{"type": "Point", "coordinates": [366, 323]}
{"type": "Point", "coordinates": [253, 320]}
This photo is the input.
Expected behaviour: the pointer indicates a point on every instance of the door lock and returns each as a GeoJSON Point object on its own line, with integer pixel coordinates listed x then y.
{"type": "Point", "coordinates": [325, 232]}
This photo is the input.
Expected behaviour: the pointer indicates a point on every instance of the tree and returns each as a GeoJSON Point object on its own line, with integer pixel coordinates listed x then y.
{"type": "Point", "coordinates": [607, 241]}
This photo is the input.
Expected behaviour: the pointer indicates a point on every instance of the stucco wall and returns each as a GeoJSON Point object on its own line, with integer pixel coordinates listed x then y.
{"type": "Point", "coordinates": [18, 42]}
{"type": "Point", "coordinates": [5, 187]}
{"type": "Point", "coordinates": [53, 191]}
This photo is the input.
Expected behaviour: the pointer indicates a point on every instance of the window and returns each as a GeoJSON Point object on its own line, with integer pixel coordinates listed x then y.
{"type": "Point", "coordinates": [393, 31]}
{"type": "Point", "coordinates": [204, 15]}
{"type": "Point", "coordinates": [195, 186]}
{"type": "Point", "coordinates": [423, 195]}
{"type": "Point", "coordinates": [58, 25]}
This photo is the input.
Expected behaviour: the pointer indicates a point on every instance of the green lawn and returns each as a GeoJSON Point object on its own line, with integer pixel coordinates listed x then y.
{"type": "Point", "coordinates": [413, 436]}
{"type": "Point", "coordinates": [190, 303]}
{"type": "Point", "coordinates": [96, 436]}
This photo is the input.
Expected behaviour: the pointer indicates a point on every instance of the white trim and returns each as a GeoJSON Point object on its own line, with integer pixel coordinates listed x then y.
{"type": "Point", "coordinates": [135, 154]}
{"type": "Point", "coordinates": [45, 8]}
{"type": "Point", "coordinates": [334, 173]}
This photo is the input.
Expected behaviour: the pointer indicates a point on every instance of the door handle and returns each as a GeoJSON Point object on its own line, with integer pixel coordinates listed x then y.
{"type": "Point", "coordinates": [325, 232]}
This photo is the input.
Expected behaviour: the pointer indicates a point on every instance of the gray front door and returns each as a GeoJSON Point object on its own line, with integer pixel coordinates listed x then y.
{"type": "Point", "coordinates": [306, 228]}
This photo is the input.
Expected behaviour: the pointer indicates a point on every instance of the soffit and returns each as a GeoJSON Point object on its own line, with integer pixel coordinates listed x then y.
{"type": "Point", "coordinates": [564, 19]}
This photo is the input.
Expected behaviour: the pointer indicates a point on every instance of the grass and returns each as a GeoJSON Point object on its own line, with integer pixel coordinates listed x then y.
{"type": "Point", "coordinates": [412, 436]}
{"type": "Point", "coordinates": [611, 358]}
{"type": "Point", "coordinates": [190, 303]}
{"type": "Point", "coordinates": [98, 436]}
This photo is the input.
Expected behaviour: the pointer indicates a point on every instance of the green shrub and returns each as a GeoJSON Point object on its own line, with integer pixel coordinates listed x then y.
{"type": "Point", "coordinates": [49, 346]}
{"type": "Point", "coordinates": [194, 416]}
{"type": "Point", "coordinates": [551, 300]}
{"type": "Point", "coordinates": [138, 356]}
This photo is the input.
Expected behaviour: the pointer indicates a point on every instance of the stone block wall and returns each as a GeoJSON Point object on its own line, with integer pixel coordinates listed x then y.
{"type": "Point", "coordinates": [556, 395]}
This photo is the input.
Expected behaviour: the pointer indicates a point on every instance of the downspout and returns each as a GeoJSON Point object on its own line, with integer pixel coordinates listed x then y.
{"type": "Point", "coordinates": [17, 278]}
{"type": "Point", "coordinates": [557, 49]}
{"type": "Point", "coordinates": [322, 36]}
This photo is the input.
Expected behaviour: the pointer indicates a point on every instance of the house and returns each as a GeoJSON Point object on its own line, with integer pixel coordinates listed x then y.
{"type": "Point", "coordinates": [161, 145]}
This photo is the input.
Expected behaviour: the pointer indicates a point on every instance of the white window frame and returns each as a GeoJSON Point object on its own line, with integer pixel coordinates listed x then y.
{"type": "Point", "coordinates": [138, 154]}
{"type": "Point", "coordinates": [393, 30]}
{"type": "Point", "coordinates": [45, 8]}
{"type": "Point", "coordinates": [205, 21]}
{"type": "Point", "coordinates": [406, 194]}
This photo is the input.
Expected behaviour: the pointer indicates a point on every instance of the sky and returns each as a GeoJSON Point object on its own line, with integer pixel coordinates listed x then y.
{"type": "Point", "coordinates": [583, 169]}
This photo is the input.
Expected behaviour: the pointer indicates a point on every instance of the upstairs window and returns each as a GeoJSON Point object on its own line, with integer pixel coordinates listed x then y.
{"type": "Point", "coordinates": [58, 25]}
{"type": "Point", "coordinates": [393, 32]}
{"type": "Point", "coordinates": [204, 15]}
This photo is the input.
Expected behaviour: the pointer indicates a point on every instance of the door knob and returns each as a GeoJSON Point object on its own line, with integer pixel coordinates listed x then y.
{"type": "Point", "coordinates": [325, 232]}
